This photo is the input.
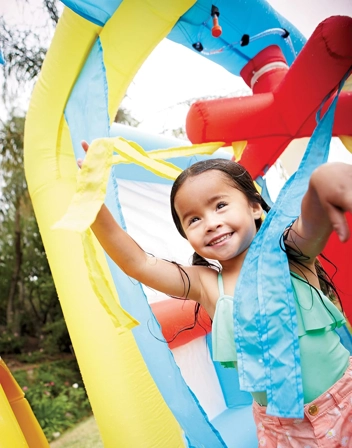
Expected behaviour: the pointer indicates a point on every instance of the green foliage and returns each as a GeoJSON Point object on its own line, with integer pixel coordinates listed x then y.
{"type": "Point", "coordinates": [25, 47]}
{"type": "Point", "coordinates": [29, 304]}
{"type": "Point", "coordinates": [28, 298]}
{"type": "Point", "coordinates": [124, 116]}
{"type": "Point", "coordinates": [36, 356]}
{"type": "Point", "coordinates": [10, 342]}
{"type": "Point", "coordinates": [51, 7]}
{"type": "Point", "coordinates": [56, 395]}
{"type": "Point", "coordinates": [11, 151]}
{"type": "Point", "coordinates": [56, 338]}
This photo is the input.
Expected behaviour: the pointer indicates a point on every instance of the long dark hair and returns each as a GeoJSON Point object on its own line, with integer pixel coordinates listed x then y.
{"type": "Point", "coordinates": [239, 178]}
{"type": "Point", "coordinates": [326, 283]}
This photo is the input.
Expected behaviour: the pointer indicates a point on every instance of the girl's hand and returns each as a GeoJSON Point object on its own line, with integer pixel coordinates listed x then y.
{"type": "Point", "coordinates": [332, 184]}
{"type": "Point", "coordinates": [323, 208]}
{"type": "Point", "coordinates": [85, 146]}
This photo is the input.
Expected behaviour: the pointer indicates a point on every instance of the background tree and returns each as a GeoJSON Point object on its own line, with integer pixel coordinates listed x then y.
{"type": "Point", "coordinates": [28, 301]}
{"type": "Point", "coordinates": [24, 49]}
{"type": "Point", "coordinates": [24, 52]}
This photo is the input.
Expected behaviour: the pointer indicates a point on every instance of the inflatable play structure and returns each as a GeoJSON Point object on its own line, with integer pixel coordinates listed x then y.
{"type": "Point", "coordinates": [142, 393]}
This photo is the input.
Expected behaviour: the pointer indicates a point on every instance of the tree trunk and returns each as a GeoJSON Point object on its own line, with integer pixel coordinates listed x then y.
{"type": "Point", "coordinates": [10, 317]}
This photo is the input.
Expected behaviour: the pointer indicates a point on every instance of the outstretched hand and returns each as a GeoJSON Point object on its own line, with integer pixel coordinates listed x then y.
{"type": "Point", "coordinates": [85, 146]}
{"type": "Point", "coordinates": [332, 183]}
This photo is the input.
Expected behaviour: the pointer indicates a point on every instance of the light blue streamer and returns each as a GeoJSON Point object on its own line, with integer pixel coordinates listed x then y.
{"type": "Point", "coordinates": [87, 114]}
{"type": "Point", "coordinates": [88, 118]}
{"type": "Point", "coordinates": [198, 430]}
{"type": "Point", "coordinates": [264, 311]}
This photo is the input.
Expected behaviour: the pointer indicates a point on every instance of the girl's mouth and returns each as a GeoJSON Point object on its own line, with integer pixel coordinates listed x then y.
{"type": "Point", "coordinates": [220, 239]}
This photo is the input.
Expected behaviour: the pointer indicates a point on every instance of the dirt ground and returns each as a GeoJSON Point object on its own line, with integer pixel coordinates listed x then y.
{"type": "Point", "coordinates": [84, 435]}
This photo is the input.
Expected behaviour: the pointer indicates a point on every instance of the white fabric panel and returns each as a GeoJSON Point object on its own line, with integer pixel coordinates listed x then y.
{"type": "Point", "coordinates": [198, 371]}
{"type": "Point", "coordinates": [146, 208]}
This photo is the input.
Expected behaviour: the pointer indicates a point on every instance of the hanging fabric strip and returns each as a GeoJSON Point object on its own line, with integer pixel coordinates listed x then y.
{"type": "Point", "coordinates": [264, 312]}
{"type": "Point", "coordinates": [93, 177]}
{"type": "Point", "coordinates": [90, 194]}
{"type": "Point", "coordinates": [108, 297]}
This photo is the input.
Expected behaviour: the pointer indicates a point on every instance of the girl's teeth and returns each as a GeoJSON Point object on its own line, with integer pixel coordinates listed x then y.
{"type": "Point", "coordinates": [219, 240]}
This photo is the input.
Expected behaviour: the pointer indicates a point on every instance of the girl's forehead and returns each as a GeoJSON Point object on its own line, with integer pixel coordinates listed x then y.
{"type": "Point", "coordinates": [201, 187]}
{"type": "Point", "coordinates": [200, 182]}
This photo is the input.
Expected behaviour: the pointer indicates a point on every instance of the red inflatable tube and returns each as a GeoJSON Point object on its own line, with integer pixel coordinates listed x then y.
{"type": "Point", "coordinates": [174, 315]}
{"type": "Point", "coordinates": [269, 120]}
{"type": "Point", "coordinates": [283, 107]}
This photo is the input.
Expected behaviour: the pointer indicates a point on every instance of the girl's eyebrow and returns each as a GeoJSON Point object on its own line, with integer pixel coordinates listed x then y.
{"type": "Point", "coordinates": [209, 201]}
{"type": "Point", "coordinates": [216, 198]}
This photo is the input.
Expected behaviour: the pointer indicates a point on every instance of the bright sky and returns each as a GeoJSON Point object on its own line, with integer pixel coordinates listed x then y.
{"type": "Point", "coordinates": [173, 74]}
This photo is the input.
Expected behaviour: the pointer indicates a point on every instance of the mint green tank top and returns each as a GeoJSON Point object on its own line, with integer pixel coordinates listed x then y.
{"type": "Point", "coordinates": [323, 358]}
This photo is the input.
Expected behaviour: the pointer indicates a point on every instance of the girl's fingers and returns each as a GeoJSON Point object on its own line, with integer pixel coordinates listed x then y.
{"type": "Point", "coordinates": [85, 145]}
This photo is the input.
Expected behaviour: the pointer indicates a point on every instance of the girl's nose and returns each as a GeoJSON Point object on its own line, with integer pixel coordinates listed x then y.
{"type": "Point", "coordinates": [212, 224]}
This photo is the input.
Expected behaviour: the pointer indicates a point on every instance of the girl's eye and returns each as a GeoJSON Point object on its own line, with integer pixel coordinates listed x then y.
{"type": "Point", "coordinates": [221, 205]}
{"type": "Point", "coordinates": [193, 220]}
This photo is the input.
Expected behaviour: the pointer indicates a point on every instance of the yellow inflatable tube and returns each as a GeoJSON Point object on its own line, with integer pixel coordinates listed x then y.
{"type": "Point", "coordinates": [129, 412]}
{"type": "Point", "coordinates": [18, 426]}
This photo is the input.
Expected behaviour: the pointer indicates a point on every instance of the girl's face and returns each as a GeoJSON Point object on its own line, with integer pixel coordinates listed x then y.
{"type": "Point", "coordinates": [217, 218]}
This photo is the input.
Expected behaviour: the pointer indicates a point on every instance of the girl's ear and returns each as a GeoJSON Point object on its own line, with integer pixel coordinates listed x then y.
{"type": "Point", "coordinates": [257, 210]}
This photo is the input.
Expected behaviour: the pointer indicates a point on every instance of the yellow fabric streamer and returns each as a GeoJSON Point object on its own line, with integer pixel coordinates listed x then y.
{"type": "Point", "coordinates": [85, 205]}
{"type": "Point", "coordinates": [153, 160]}
{"type": "Point", "coordinates": [122, 320]}
{"type": "Point", "coordinates": [93, 177]}
{"type": "Point", "coordinates": [185, 151]}
{"type": "Point", "coordinates": [132, 152]}
{"type": "Point", "coordinates": [91, 187]}
{"type": "Point", "coordinates": [238, 148]}
{"type": "Point", "coordinates": [90, 194]}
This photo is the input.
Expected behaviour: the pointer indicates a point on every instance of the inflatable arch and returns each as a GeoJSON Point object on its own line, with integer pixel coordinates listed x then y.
{"type": "Point", "coordinates": [138, 395]}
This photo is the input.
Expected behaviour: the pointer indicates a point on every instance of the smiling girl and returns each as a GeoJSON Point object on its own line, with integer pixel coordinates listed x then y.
{"type": "Point", "coordinates": [217, 208]}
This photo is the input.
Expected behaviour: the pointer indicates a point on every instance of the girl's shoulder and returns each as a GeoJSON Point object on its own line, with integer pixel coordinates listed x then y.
{"type": "Point", "coordinates": [209, 288]}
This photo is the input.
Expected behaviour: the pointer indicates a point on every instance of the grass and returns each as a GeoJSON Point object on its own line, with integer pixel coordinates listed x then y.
{"type": "Point", "coordinates": [84, 435]}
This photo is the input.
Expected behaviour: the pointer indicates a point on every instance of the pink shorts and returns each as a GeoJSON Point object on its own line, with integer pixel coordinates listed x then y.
{"type": "Point", "coordinates": [327, 421]}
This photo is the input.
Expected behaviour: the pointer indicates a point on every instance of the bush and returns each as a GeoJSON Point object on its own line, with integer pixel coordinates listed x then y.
{"type": "Point", "coordinates": [56, 394]}
{"type": "Point", "coordinates": [56, 338]}
{"type": "Point", "coordinates": [10, 342]}
{"type": "Point", "coordinates": [32, 357]}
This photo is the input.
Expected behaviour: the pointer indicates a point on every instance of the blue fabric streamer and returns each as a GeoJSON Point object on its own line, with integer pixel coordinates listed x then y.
{"type": "Point", "coordinates": [264, 312]}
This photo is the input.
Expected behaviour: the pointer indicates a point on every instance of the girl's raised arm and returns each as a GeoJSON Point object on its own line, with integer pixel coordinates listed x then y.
{"type": "Point", "coordinates": [328, 198]}
{"type": "Point", "coordinates": [156, 273]}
